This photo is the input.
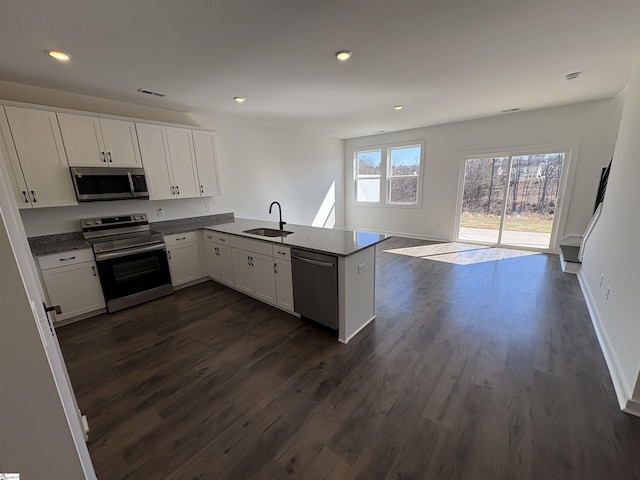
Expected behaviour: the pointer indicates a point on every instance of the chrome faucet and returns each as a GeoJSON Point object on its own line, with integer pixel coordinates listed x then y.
{"type": "Point", "coordinates": [282, 224]}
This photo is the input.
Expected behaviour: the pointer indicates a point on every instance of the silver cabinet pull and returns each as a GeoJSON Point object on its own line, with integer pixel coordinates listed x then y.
{"type": "Point", "coordinates": [33, 196]}
{"type": "Point", "coordinates": [173, 190]}
{"type": "Point", "coordinates": [67, 259]}
{"type": "Point", "coordinates": [94, 270]}
{"type": "Point", "coordinates": [26, 199]}
{"type": "Point", "coordinates": [104, 157]}
{"type": "Point", "coordinates": [201, 189]}
{"type": "Point", "coordinates": [169, 254]}
{"type": "Point", "coordinates": [275, 268]}
{"type": "Point", "coordinates": [181, 238]}
{"type": "Point", "coordinates": [178, 189]}
{"type": "Point", "coordinates": [109, 154]}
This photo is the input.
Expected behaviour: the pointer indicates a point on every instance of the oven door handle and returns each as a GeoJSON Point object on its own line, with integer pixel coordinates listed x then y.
{"type": "Point", "coordinates": [126, 253]}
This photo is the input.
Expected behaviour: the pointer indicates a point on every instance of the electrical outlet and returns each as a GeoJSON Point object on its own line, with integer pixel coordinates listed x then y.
{"type": "Point", "coordinates": [361, 268]}
{"type": "Point", "coordinates": [160, 212]}
{"type": "Point", "coordinates": [606, 295]}
{"type": "Point", "coordinates": [601, 278]}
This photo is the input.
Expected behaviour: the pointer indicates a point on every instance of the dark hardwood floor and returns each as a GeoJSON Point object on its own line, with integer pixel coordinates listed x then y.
{"type": "Point", "coordinates": [486, 368]}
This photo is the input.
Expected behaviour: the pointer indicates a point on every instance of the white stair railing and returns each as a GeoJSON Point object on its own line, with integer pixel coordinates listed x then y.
{"type": "Point", "coordinates": [587, 233]}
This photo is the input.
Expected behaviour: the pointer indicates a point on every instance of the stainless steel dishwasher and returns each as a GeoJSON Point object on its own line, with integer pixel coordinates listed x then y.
{"type": "Point", "coordinates": [315, 286]}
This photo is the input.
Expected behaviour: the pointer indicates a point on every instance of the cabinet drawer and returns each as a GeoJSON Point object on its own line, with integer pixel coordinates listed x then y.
{"type": "Point", "coordinates": [281, 252]}
{"type": "Point", "coordinates": [65, 258]}
{"type": "Point", "coordinates": [179, 238]}
{"type": "Point", "coordinates": [217, 237]}
{"type": "Point", "coordinates": [255, 246]}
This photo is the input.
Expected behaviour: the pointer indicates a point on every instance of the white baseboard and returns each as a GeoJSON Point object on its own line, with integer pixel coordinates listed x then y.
{"type": "Point", "coordinates": [632, 407]}
{"type": "Point", "coordinates": [346, 340]}
{"type": "Point", "coordinates": [627, 404]}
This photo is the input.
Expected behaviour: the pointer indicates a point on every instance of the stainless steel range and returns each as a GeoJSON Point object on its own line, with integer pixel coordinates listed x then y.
{"type": "Point", "coordinates": [131, 259]}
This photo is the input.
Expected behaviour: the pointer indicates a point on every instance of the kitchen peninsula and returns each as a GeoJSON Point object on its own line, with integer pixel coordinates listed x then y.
{"type": "Point", "coordinates": [257, 265]}
{"type": "Point", "coordinates": [355, 252]}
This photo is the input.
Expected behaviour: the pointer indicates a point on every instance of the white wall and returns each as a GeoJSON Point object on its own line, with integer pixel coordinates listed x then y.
{"type": "Point", "coordinates": [257, 165]}
{"type": "Point", "coordinates": [612, 250]}
{"type": "Point", "coordinates": [36, 437]}
{"type": "Point", "coordinates": [589, 128]}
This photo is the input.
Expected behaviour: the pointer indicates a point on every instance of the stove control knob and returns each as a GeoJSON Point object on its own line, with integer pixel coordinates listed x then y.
{"type": "Point", "coordinates": [88, 223]}
{"type": "Point", "coordinates": [98, 222]}
{"type": "Point", "coordinates": [143, 217]}
{"type": "Point", "coordinates": [135, 218]}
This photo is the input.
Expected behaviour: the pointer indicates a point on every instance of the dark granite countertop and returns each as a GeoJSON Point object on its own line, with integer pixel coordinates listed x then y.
{"type": "Point", "coordinates": [58, 243]}
{"type": "Point", "coordinates": [325, 240]}
{"type": "Point", "coordinates": [65, 242]}
{"type": "Point", "coordinates": [183, 225]}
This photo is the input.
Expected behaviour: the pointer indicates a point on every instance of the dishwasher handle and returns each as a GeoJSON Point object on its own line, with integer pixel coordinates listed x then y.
{"type": "Point", "coordinates": [313, 262]}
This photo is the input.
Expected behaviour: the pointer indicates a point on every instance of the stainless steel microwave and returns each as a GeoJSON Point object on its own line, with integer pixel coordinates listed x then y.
{"type": "Point", "coordinates": [108, 183]}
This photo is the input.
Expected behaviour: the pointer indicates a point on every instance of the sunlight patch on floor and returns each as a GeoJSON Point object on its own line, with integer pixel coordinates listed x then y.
{"type": "Point", "coordinates": [460, 253]}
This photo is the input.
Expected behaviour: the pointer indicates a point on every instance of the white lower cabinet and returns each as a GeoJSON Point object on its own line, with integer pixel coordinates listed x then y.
{"type": "Point", "coordinates": [218, 255]}
{"type": "Point", "coordinates": [71, 281]}
{"type": "Point", "coordinates": [253, 268]}
{"type": "Point", "coordinates": [184, 258]}
{"type": "Point", "coordinates": [254, 274]}
{"type": "Point", "coordinates": [284, 284]}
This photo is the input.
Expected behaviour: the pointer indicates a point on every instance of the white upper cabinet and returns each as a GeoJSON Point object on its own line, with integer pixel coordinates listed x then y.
{"type": "Point", "coordinates": [10, 156]}
{"type": "Point", "coordinates": [169, 161]}
{"type": "Point", "coordinates": [41, 159]}
{"type": "Point", "coordinates": [183, 162]}
{"type": "Point", "coordinates": [205, 151]}
{"type": "Point", "coordinates": [93, 141]}
{"type": "Point", "coordinates": [157, 165]}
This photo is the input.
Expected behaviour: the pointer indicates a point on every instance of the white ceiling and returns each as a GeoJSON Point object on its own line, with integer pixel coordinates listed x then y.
{"type": "Point", "coordinates": [444, 60]}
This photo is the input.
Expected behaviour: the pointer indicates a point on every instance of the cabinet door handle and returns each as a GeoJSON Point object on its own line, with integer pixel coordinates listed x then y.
{"type": "Point", "coordinates": [33, 195]}
{"type": "Point", "coordinates": [252, 261]}
{"type": "Point", "coordinates": [181, 238]}
{"type": "Point", "coordinates": [109, 154]}
{"type": "Point", "coordinates": [53, 308]}
{"type": "Point", "coordinates": [169, 254]}
{"type": "Point", "coordinates": [173, 190]}
{"type": "Point", "coordinates": [94, 270]}
{"type": "Point", "coordinates": [26, 199]}
{"type": "Point", "coordinates": [178, 189]}
{"type": "Point", "coordinates": [67, 259]}
{"type": "Point", "coordinates": [201, 189]}
{"type": "Point", "coordinates": [275, 268]}
{"type": "Point", "coordinates": [104, 157]}
{"type": "Point", "coordinates": [248, 260]}
{"type": "Point", "coordinates": [280, 253]}
{"type": "Point", "coordinates": [223, 240]}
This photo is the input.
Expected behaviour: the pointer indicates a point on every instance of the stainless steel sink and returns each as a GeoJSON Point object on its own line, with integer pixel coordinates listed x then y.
{"type": "Point", "coordinates": [268, 232]}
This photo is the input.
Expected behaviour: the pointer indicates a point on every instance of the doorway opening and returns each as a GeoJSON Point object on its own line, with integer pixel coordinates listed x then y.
{"type": "Point", "coordinates": [511, 200]}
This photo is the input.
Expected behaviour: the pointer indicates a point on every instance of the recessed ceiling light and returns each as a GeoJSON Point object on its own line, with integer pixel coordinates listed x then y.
{"type": "Point", "coordinates": [398, 107]}
{"type": "Point", "coordinates": [239, 99]}
{"type": "Point", "coordinates": [572, 76]}
{"type": "Point", "coordinates": [59, 55]}
{"type": "Point", "coordinates": [343, 55]}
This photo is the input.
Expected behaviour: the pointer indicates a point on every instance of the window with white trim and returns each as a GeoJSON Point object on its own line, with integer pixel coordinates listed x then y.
{"type": "Point", "coordinates": [401, 170]}
{"type": "Point", "coordinates": [368, 168]}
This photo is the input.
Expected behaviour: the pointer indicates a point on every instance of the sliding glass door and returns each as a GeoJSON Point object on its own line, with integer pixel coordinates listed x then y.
{"type": "Point", "coordinates": [511, 200]}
